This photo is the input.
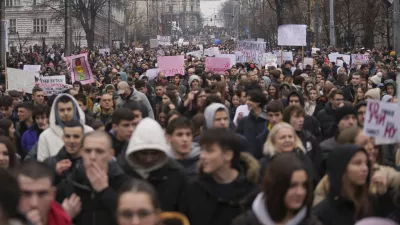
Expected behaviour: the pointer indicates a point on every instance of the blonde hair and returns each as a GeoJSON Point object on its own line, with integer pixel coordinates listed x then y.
{"type": "Point", "coordinates": [269, 146]}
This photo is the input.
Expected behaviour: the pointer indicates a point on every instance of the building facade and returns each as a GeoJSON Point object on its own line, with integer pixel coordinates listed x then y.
{"type": "Point", "coordinates": [30, 24]}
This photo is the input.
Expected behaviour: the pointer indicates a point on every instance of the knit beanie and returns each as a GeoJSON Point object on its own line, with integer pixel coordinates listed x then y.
{"type": "Point", "coordinates": [376, 79]}
{"type": "Point", "coordinates": [374, 93]}
{"type": "Point", "coordinates": [192, 78]}
{"type": "Point", "coordinates": [344, 111]}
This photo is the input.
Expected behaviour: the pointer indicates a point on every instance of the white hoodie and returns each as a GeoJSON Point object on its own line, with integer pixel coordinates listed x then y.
{"type": "Point", "coordinates": [50, 140]}
{"type": "Point", "coordinates": [148, 135]}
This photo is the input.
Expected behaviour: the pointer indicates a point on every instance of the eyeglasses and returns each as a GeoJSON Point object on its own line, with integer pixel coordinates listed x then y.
{"type": "Point", "coordinates": [141, 214]}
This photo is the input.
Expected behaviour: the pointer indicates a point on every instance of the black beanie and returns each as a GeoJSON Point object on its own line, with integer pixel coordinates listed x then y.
{"type": "Point", "coordinates": [344, 111]}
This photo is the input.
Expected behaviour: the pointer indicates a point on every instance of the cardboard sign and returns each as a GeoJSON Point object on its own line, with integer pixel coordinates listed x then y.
{"type": "Point", "coordinates": [381, 121]}
{"type": "Point", "coordinates": [19, 80]}
{"type": "Point", "coordinates": [52, 85]}
{"type": "Point", "coordinates": [171, 65]}
{"type": "Point", "coordinates": [33, 68]}
{"type": "Point", "coordinates": [231, 57]}
{"type": "Point", "coordinates": [80, 69]}
{"type": "Point", "coordinates": [217, 65]}
{"type": "Point", "coordinates": [292, 35]}
{"type": "Point", "coordinates": [251, 51]}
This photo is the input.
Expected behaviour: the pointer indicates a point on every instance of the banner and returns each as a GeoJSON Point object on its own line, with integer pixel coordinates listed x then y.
{"type": "Point", "coordinates": [358, 59]}
{"type": "Point", "coordinates": [19, 80]}
{"type": "Point", "coordinates": [80, 69]}
{"type": "Point", "coordinates": [52, 85]}
{"type": "Point", "coordinates": [211, 51]}
{"type": "Point", "coordinates": [231, 57]}
{"type": "Point", "coordinates": [292, 35]}
{"type": "Point", "coordinates": [196, 54]}
{"type": "Point", "coordinates": [217, 65]}
{"type": "Point", "coordinates": [171, 65]}
{"type": "Point", "coordinates": [381, 121]}
{"type": "Point", "coordinates": [251, 51]}
{"type": "Point", "coordinates": [152, 73]}
{"type": "Point", "coordinates": [164, 40]}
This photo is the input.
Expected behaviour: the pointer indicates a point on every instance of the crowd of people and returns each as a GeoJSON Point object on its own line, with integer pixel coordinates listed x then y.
{"type": "Point", "coordinates": [253, 145]}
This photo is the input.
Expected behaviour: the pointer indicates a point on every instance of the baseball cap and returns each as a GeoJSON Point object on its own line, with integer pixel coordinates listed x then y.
{"type": "Point", "coordinates": [122, 86]}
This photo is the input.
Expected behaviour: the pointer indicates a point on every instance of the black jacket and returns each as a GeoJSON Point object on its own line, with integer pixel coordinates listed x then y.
{"type": "Point", "coordinates": [313, 151]}
{"type": "Point", "coordinates": [326, 117]}
{"type": "Point", "coordinates": [169, 181]}
{"type": "Point", "coordinates": [207, 202]}
{"type": "Point", "coordinates": [249, 218]}
{"type": "Point", "coordinates": [97, 208]}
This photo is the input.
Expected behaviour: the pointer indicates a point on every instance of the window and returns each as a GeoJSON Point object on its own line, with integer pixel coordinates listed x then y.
{"type": "Point", "coordinates": [191, 8]}
{"type": "Point", "coordinates": [12, 26]}
{"type": "Point", "coordinates": [184, 8]}
{"type": "Point", "coordinates": [170, 8]}
{"type": "Point", "coordinates": [10, 3]}
{"type": "Point", "coordinates": [40, 25]}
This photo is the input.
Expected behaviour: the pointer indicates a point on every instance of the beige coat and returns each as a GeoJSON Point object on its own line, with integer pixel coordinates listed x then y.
{"type": "Point", "coordinates": [392, 176]}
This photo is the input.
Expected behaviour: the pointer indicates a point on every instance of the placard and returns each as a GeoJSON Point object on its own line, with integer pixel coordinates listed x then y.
{"type": "Point", "coordinates": [292, 35]}
{"type": "Point", "coordinates": [33, 68]}
{"type": "Point", "coordinates": [231, 57]}
{"type": "Point", "coordinates": [152, 73]}
{"type": "Point", "coordinates": [171, 65]}
{"type": "Point", "coordinates": [308, 61]}
{"type": "Point", "coordinates": [52, 85]}
{"type": "Point", "coordinates": [287, 56]}
{"type": "Point", "coordinates": [103, 51]}
{"type": "Point", "coordinates": [153, 43]}
{"type": "Point", "coordinates": [196, 54]}
{"type": "Point", "coordinates": [251, 51]}
{"type": "Point", "coordinates": [80, 69]}
{"type": "Point", "coordinates": [19, 80]}
{"type": "Point", "coordinates": [164, 40]}
{"type": "Point", "coordinates": [217, 65]}
{"type": "Point", "coordinates": [359, 59]}
{"type": "Point", "coordinates": [381, 121]}
{"type": "Point", "coordinates": [270, 60]}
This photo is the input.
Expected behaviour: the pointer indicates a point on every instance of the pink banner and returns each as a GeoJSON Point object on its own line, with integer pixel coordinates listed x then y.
{"type": "Point", "coordinates": [80, 68]}
{"type": "Point", "coordinates": [217, 65]}
{"type": "Point", "coordinates": [171, 65]}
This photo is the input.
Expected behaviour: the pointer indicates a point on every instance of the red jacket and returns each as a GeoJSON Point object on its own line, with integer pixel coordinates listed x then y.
{"type": "Point", "coordinates": [57, 215]}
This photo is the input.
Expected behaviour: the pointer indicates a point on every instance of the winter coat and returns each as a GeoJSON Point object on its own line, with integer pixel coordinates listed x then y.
{"type": "Point", "coordinates": [136, 96]}
{"type": "Point", "coordinates": [207, 202]}
{"type": "Point", "coordinates": [313, 151]}
{"type": "Point", "coordinates": [326, 118]}
{"type": "Point", "coordinates": [166, 175]}
{"type": "Point", "coordinates": [50, 140]}
{"type": "Point", "coordinates": [258, 215]}
{"type": "Point", "coordinates": [30, 138]}
{"type": "Point", "coordinates": [392, 177]}
{"type": "Point", "coordinates": [190, 162]}
{"type": "Point", "coordinates": [98, 208]}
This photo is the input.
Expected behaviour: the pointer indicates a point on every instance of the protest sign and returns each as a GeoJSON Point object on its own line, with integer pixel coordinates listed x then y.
{"type": "Point", "coordinates": [232, 58]}
{"type": "Point", "coordinates": [358, 59]}
{"type": "Point", "coordinates": [196, 54]}
{"type": "Point", "coordinates": [381, 121]}
{"type": "Point", "coordinates": [138, 50]}
{"type": "Point", "coordinates": [103, 51]}
{"type": "Point", "coordinates": [270, 59]}
{"type": "Point", "coordinates": [171, 65]}
{"type": "Point", "coordinates": [211, 51]}
{"type": "Point", "coordinates": [19, 80]}
{"type": "Point", "coordinates": [332, 57]}
{"type": "Point", "coordinates": [153, 43]}
{"type": "Point", "coordinates": [287, 56]}
{"type": "Point", "coordinates": [278, 56]}
{"type": "Point", "coordinates": [308, 61]}
{"type": "Point", "coordinates": [346, 59]}
{"type": "Point", "coordinates": [164, 40]}
{"type": "Point", "coordinates": [152, 73]}
{"type": "Point", "coordinates": [52, 85]}
{"type": "Point", "coordinates": [260, 40]}
{"type": "Point", "coordinates": [33, 68]}
{"type": "Point", "coordinates": [314, 50]}
{"type": "Point", "coordinates": [217, 65]}
{"type": "Point", "coordinates": [292, 35]}
{"type": "Point", "coordinates": [80, 69]}
{"type": "Point", "coordinates": [251, 51]}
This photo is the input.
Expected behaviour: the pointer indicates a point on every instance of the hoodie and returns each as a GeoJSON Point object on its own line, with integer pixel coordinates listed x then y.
{"type": "Point", "coordinates": [148, 135]}
{"type": "Point", "coordinates": [392, 83]}
{"type": "Point", "coordinates": [50, 140]}
{"type": "Point", "coordinates": [189, 163]}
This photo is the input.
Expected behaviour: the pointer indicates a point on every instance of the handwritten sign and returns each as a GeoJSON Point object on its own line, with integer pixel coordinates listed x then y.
{"type": "Point", "coordinates": [251, 51]}
{"type": "Point", "coordinates": [103, 51]}
{"type": "Point", "coordinates": [196, 54]}
{"type": "Point", "coordinates": [164, 40]}
{"type": "Point", "coordinates": [292, 35]}
{"type": "Point", "coordinates": [20, 79]}
{"type": "Point", "coordinates": [52, 85]}
{"type": "Point", "coordinates": [308, 61]}
{"type": "Point", "coordinates": [153, 43]}
{"type": "Point", "coordinates": [358, 59]}
{"type": "Point", "coordinates": [211, 51]}
{"type": "Point", "coordinates": [171, 65]}
{"type": "Point", "coordinates": [270, 60]}
{"type": "Point", "coordinates": [381, 120]}
{"type": "Point", "coordinates": [80, 69]}
{"type": "Point", "coordinates": [33, 68]}
{"type": "Point", "coordinates": [217, 65]}
{"type": "Point", "coordinates": [232, 58]}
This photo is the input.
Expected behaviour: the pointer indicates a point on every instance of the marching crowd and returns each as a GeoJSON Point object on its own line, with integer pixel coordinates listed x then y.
{"type": "Point", "coordinates": [253, 145]}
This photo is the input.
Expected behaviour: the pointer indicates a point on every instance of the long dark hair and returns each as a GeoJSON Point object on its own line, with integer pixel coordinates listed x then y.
{"type": "Point", "coordinates": [277, 181]}
{"type": "Point", "coordinates": [11, 151]}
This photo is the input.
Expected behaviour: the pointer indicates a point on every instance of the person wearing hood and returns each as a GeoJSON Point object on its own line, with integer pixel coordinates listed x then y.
{"type": "Point", "coordinates": [348, 201]}
{"type": "Point", "coordinates": [295, 116]}
{"type": "Point", "coordinates": [326, 117]}
{"type": "Point", "coordinates": [286, 196]}
{"type": "Point", "coordinates": [194, 82]}
{"type": "Point", "coordinates": [127, 93]}
{"type": "Point", "coordinates": [311, 123]}
{"type": "Point", "coordinates": [255, 123]}
{"type": "Point", "coordinates": [216, 115]}
{"type": "Point", "coordinates": [95, 180]}
{"type": "Point", "coordinates": [390, 87]}
{"type": "Point", "coordinates": [147, 158]}
{"type": "Point", "coordinates": [65, 108]}
{"type": "Point", "coordinates": [226, 178]}
{"type": "Point", "coordinates": [182, 148]}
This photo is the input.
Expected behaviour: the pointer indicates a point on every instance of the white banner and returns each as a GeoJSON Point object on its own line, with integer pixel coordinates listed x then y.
{"type": "Point", "coordinates": [19, 80]}
{"type": "Point", "coordinates": [292, 35]}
